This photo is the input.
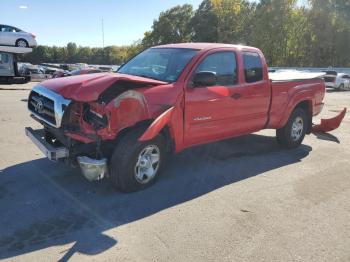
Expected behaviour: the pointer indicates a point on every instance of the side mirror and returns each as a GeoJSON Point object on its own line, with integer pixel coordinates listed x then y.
{"type": "Point", "coordinates": [205, 78]}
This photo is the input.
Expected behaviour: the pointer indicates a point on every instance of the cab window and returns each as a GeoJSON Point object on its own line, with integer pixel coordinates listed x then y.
{"type": "Point", "coordinates": [253, 68]}
{"type": "Point", "coordinates": [223, 64]}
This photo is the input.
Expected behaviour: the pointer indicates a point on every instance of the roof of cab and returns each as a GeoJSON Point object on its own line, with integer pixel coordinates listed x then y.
{"type": "Point", "coordinates": [203, 46]}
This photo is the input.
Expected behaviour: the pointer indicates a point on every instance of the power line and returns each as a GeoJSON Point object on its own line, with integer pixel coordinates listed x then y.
{"type": "Point", "coordinates": [103, 34]}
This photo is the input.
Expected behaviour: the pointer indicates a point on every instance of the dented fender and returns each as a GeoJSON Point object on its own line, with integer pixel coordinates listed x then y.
{"type": "Point", "coordinates": [157, 125]}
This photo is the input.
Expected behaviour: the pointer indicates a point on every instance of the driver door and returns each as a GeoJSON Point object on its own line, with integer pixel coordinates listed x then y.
{"type": "Point", "coordinates": [209, 109]}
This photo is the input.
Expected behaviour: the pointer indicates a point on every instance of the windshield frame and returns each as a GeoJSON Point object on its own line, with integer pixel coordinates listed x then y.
{"type": "Point", "coordinates": [174, 48]}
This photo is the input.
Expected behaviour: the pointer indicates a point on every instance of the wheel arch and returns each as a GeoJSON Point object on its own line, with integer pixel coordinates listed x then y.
{"type": "Point", "coordinates": [149, 132]}
{"type": "Point", "coordinates": [306, 105]}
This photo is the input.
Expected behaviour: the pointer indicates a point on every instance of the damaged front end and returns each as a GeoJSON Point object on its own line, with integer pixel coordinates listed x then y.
{"type": "Point", "coordinates": [84, 132]}
{"type": "Point", "coordinates": [72, 131]}
{"type": "Point", "coordinates": [70, 144]}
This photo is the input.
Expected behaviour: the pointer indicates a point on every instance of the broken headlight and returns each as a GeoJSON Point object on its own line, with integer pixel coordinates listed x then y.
{"type": "Point", "coordinates": [95, 119]}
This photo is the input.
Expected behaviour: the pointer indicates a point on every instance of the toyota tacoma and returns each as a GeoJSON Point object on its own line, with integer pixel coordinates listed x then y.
{"type": "Point", "coordinates": [167, 98]}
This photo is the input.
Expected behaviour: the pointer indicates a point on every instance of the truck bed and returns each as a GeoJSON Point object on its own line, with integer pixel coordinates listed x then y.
{"type": "Point", "coordinates": [294, 75]}
{"type": "Point", "coordinates": [287, 86]}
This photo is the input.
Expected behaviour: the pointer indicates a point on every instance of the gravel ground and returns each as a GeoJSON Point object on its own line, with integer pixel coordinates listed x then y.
{"type": "Point", "coordinates": [241, 199]}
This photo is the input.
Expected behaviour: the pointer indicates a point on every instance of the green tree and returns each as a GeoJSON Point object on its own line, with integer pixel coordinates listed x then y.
{"type": "Point", "coordinates": [71, 52]}
{"type": "Point", "coordinates": [204, 23]}
{"type": "Point", "coordinates": [172, 26]}
{"type": "Point", "coordinates": [273, 23]}
{"type": "Point", "coordinates": [82, 55]}
{"type": "Point", "coordinates": [234, 18]}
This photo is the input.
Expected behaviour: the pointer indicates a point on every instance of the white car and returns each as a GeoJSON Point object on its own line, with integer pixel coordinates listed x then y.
{"type": "Point", "coordinates": [342, 82]}
{"type": "Point", "coordinates": [12, 36]}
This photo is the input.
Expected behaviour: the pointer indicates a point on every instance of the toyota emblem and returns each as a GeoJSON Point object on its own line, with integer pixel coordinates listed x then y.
{"type": "Point", "coordinates": [39, 106]}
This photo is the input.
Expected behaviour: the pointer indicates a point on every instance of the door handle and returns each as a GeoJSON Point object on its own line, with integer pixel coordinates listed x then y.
{"type": "Point", "coordinates": [236, 96]}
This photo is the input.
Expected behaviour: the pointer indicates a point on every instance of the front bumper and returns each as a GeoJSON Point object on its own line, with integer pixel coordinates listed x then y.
{"type": "Point", "coordinates": [50, 151]}
{"type": "Point", "coordinates": [92, 169]}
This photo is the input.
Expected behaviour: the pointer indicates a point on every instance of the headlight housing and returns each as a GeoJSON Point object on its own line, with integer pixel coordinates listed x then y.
{"type": "Point", "coordinates": [95, 119]}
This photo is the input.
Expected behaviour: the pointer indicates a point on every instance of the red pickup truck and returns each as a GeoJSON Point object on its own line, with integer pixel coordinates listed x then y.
{"type": "Point", "coordinates": [163, 100]}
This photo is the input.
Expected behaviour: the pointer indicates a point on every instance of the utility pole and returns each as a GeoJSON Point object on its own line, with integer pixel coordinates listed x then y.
{"type": "Point", "coordinates": [103, 35]}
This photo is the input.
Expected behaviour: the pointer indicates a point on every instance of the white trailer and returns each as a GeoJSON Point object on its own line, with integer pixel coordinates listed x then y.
{"type": "Point", "coordinates": [8, 65]}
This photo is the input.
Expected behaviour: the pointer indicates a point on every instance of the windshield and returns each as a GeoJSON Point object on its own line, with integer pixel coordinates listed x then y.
{"type": "Point", "coordinates": [164, 64]}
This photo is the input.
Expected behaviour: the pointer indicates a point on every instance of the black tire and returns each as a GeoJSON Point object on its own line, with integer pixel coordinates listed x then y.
{"type": "Point", "coordinates": [126, 155]}
{"type": "Point", "coordinates": [284, 135]}
{"type": "Point", "coordinates": [18, 41]}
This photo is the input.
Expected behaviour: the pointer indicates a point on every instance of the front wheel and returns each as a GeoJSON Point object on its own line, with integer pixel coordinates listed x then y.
{"type": "Point", "coordinates": [293, 133]}
{"type": "Point", "coordinates": [135, 165]}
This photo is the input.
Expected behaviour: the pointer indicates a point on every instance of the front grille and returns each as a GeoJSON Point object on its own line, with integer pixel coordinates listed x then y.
{"type": "Point", "coordinates": [47, 105]}
{"type": "Point", "coordinates": [42, 106]}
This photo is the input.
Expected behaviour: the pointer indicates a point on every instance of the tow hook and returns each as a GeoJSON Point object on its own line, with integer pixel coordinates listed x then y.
{"type": "Point", "coordinates": [92, 169]}
{"type": "Point", "coordinates": [330, 124]}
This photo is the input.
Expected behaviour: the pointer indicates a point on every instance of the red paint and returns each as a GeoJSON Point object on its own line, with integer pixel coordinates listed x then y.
{"type": "Point", "coordinates": [328, 125]}
{"type": "Point", "coordinates": [197, 115]}
{"type": "Point", "coordinates": [286, 95]}
{"type": "Point", "coordinates": [79, 137]}
{"type": "Point", "coordinates": [157, 125]}
{"type": "Point", "coordinates": [86, 88]}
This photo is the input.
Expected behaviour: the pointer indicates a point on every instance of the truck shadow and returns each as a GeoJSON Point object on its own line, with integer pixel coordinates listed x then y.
{"type": "Point", "coordinates": [332, 90]}
{"type": "Point", "coordinates": [327, 137]}
{"type": "Point", "coordinates": [44, 204]}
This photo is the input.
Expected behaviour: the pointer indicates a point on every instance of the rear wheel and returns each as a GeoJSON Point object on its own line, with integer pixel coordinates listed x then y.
{"type": "Point", "coordinates": [293, 133]}
{"type": "Point", "coordinates": [135, 165]}
{"type": "Point", "coordinates": [21, 43]}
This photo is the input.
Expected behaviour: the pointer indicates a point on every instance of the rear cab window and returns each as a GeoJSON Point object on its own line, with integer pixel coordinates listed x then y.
{"type": "Point", "coordinates": [223, 64]}
{"type": "Point", "coordinates": [253, 67]}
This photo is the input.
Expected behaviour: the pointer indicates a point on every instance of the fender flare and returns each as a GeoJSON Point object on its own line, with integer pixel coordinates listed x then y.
{"type": "Point", "coordinates": [297, 99]}
{"type": "Point", "coordinates": [157, 125]}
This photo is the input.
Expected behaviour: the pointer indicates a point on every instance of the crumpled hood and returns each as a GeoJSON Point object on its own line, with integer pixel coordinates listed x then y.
{"type": "Point", "coordinates": [87, 88]}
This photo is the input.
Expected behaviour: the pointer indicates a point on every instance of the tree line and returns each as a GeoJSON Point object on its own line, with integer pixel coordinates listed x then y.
{"type": "Point", "coordinates": [314, 33]}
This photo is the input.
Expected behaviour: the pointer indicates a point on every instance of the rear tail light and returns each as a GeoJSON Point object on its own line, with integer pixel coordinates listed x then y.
{"type": "Point", "coordinates": [34, 36]}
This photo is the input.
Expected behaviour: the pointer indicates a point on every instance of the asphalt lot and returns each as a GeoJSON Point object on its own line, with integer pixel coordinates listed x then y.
{"type": "Point", "coordinates": [243, 199]}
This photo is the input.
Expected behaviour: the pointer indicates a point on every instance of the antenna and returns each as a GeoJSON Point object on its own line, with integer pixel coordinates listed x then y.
{"type": "Point", "coordinates": [103, 34]}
